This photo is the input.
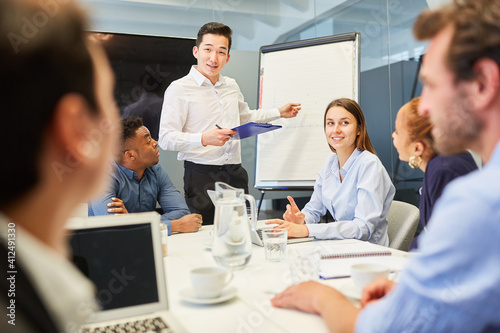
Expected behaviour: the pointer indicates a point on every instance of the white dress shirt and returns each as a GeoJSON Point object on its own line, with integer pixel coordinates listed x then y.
{"type": "Point", "coordinates": [67, 294]}
{"type": "Point", "coordinates": [360, 203]}
{"type": "Point", "coordinates": [193, 105]}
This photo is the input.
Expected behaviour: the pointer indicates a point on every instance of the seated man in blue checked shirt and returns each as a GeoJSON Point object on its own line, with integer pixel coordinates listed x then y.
{"type": "Point", "coordinates": [138, 183]}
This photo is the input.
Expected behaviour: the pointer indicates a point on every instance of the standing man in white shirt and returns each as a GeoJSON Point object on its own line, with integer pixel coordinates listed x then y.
{"type": "Point", "coordinates": [198, 113]}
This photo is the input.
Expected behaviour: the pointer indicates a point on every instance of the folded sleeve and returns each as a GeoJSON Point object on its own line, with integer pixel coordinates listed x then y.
{"type": "Point", "coordinates": [171, 201]}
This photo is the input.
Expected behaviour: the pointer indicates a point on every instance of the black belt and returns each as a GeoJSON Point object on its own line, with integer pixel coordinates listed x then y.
{"type": "Point", "coordinates": [208, 168]}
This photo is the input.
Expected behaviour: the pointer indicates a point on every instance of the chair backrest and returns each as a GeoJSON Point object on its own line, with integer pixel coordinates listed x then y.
{"type": "Point", "coordinates": [403, 220]}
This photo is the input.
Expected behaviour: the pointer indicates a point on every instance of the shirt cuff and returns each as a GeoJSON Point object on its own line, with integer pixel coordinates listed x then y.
{"type": "Point", "coordinates": [169, 225]}
{"type": "Point", "coordinates": [275, 113]}
{"type": "Point", "coordinates": [317, 230]}
{"type": "Point", "coordinates": [195, 140]}
{"type": "Point", "coordinates": [308, 218]}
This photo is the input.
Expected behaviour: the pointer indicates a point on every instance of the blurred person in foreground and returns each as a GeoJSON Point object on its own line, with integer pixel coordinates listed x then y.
{"type": "Point", "coordinates": [57, 138]}
{"type": "Point", "coordinates": [453, 284]}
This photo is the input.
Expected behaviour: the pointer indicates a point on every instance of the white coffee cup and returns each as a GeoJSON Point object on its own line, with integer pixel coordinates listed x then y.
{"type": "Point", "coordinates": [208, 282]}
{"type": "Point", "coordinates": [364, 274]}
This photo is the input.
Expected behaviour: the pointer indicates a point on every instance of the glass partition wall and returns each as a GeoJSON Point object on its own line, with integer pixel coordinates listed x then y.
{"type": "Point", "coordinates": [389, 55]}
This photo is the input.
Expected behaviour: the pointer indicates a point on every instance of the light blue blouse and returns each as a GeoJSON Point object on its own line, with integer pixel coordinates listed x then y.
{"type": "Point", "coordinates": [453, 284]}
{"type": "Point", "coordinates": [359, 203]}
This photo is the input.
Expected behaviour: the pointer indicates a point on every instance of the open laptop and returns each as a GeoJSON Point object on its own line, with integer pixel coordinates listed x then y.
{"type": "Point", "coordinates": [122, 255]}
{"type": "Point", "coordinates": [256, 233]}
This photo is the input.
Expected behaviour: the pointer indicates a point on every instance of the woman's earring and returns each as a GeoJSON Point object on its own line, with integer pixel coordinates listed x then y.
{"type": "Point", "coordinates": [415, 162]}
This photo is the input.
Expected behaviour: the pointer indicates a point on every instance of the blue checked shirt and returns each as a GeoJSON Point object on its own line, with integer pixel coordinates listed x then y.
{"type": "Point", "coordinates": [142, 196]}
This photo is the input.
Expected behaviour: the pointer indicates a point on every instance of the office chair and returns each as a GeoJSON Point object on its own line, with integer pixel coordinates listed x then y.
{"type": "Point", "coordinates": [403, 220]}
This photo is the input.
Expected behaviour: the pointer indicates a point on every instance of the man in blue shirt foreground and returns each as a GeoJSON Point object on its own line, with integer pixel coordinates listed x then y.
{"type": "Point", "coordinates": [139, 182]}
{"type": "Point", "coordinates": [453, 285]}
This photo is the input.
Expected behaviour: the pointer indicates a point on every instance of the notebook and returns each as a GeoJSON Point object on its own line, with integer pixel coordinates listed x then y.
{"type": "Point", "coordinates": [256, 233]}
{"type": "Point", "coordinates": [122, 255]}
{"type": "Point", "coordinates": [338, 257]}
{"type": "Point", "coordinates": [353, 250]}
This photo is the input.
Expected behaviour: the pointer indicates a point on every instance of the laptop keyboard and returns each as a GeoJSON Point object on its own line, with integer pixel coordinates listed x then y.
{"type": "Point", "coordinates": [146, 325]}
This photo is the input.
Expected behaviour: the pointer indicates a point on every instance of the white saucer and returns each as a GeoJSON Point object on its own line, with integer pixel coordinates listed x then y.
{"type": "Point", "coordinates": [189, 295]}
{"type": "Point", "coordinates": [350, 290]}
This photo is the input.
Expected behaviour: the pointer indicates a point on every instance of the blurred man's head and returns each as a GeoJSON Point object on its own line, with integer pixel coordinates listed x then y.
{"type": "Point", "coordinates": [139, 149]}
{"type": "Point", "coordinates": [56, 99]}
{"type": "Point", "coordinates": [459, 70]}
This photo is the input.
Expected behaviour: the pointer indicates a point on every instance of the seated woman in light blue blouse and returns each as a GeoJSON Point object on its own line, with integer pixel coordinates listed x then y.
{"type": "Point", "coordinates": [353, 184]}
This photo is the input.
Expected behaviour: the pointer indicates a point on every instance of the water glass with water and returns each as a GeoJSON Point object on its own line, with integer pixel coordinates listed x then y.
{"type": "Point", "coordinates": [275, 244]}
{"type": "Point", "coordinates": [304, 263]}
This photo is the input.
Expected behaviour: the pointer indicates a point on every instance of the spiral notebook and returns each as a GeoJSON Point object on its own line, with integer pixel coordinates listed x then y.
{"type": "Point", "coordinates": [337, 258]}
{"type": "Point", "coordinates": [346, 251]}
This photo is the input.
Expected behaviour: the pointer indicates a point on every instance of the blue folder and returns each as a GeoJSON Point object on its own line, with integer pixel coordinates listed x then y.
{"type": "Point", "coordinates": [252, 128]}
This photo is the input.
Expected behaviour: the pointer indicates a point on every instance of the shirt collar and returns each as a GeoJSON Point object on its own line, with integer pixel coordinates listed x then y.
{"type": "Point", "coordinates": [200, 78]}
{"type": "Point", "coordinates": [348, 164]}
{"type": "Point", "coordinates": [131, 174]}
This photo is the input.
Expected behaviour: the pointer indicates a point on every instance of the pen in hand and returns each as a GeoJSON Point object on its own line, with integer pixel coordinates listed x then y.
{"type": "Point", "coordinates": [221, 128]}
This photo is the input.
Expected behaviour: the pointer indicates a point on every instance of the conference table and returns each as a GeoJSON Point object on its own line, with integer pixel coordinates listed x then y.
{"type": "Point", "coordinates": [250, 310]}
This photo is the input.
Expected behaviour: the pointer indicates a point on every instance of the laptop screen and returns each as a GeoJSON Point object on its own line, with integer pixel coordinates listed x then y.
{"type": "Point", "coordinates": [120, 262]}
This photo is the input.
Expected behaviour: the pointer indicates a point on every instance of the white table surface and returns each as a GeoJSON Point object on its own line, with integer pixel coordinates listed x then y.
{"type": "Point", "coordinates": [251, 310]}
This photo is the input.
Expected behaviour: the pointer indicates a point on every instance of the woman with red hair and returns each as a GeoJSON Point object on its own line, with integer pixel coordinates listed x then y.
{"type": "Point", "coordinates": [413, 140]}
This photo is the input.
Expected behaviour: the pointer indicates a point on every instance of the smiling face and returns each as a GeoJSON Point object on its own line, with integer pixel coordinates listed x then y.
{"type": "Point", "coordinates": [341, 130]}
{"type": "Point", "coordinates": [212, 55]}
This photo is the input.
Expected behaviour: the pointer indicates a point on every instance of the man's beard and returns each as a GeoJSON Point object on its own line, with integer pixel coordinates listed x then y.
{"type": "Point", "coordinates": [457, 129]}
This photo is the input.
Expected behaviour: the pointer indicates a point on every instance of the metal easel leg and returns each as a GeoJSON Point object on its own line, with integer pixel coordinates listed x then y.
{"type": "Point", "coordinates": [262, 192]}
